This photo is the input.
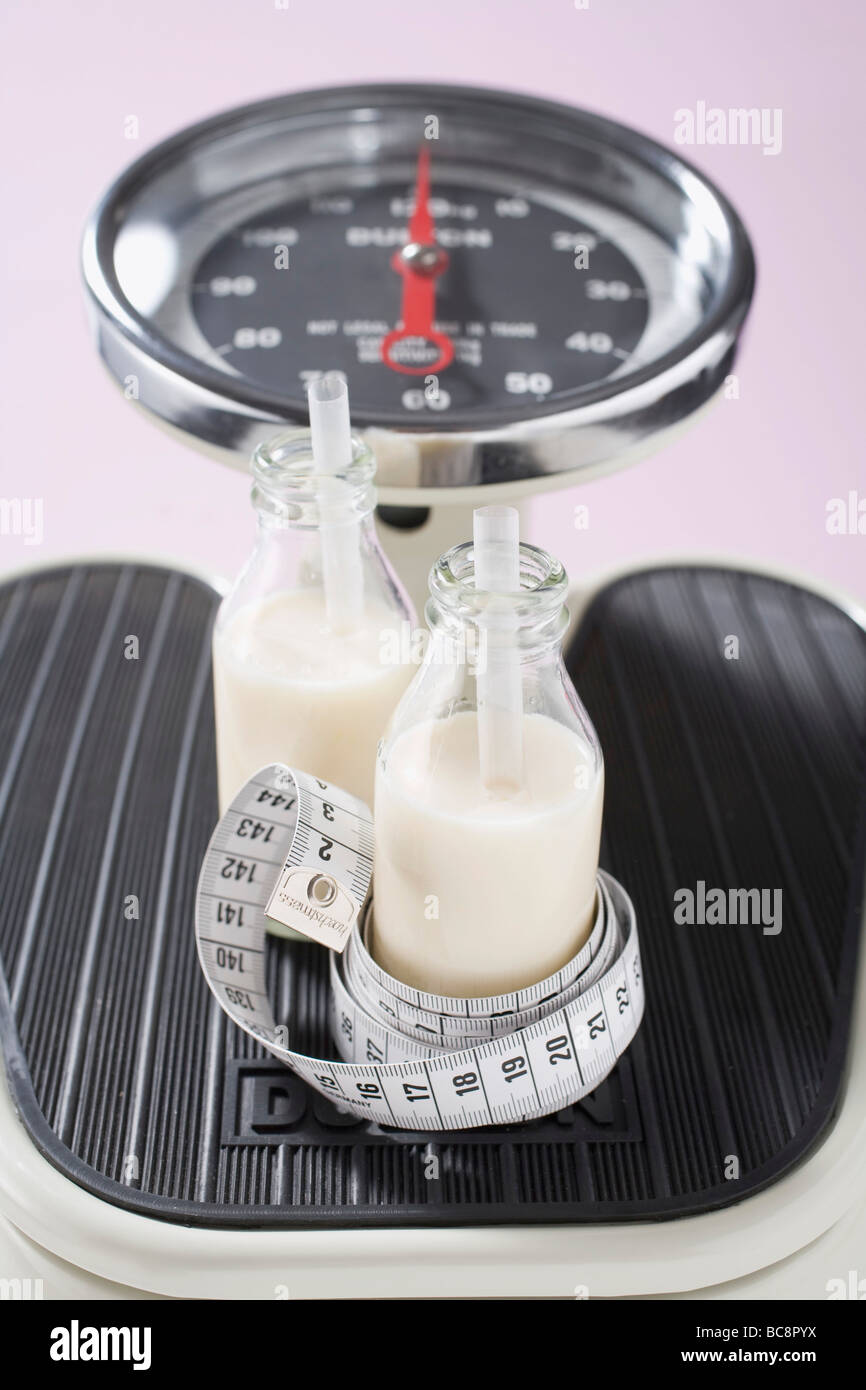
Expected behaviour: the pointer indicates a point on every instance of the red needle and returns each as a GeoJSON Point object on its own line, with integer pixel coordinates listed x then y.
{"type": "Point", "coordinates": [419, 263]}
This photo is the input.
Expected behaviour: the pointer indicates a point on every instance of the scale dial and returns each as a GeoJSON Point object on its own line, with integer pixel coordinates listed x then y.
{"type": "Point", "coordinates": [590, 284]}
{"type": "Point", "coordinates": [523, 331]}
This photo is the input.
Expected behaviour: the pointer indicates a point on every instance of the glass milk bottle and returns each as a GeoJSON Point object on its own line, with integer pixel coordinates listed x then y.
{"type": "Point", "coordinates": [306, 646]}
{"type": "Point", "coordinates": [489, 788]}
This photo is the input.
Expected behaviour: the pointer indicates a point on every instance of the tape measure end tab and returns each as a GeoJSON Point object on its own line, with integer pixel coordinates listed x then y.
{"type": "Point", "coordinates": [315, 905]}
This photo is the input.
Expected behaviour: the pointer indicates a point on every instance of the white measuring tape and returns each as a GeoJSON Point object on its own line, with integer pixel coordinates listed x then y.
{"type": "Point", "coordinates": [300, 850]}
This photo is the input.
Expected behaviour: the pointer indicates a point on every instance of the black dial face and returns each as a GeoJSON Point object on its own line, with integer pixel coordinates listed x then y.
{"type": "Point", "coordinates": [538, 302]}
{"type": "Point", "coordinates": [502, 276]}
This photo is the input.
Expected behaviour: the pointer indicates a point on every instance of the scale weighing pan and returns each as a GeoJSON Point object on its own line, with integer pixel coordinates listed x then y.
{"type": "Point", "coordinates": [152, 1143]}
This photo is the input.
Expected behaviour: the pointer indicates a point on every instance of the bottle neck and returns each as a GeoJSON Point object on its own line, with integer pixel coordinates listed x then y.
{"type": "Point", "coordinates": [288, 494]}
{"type": "Point", "coordinates": [282, 528]}
{"type": "Point", "coordinates": [532, 621]}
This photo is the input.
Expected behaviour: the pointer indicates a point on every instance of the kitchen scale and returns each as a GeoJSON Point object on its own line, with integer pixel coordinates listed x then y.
{"type": "Point", "coordinates": [574, 298]}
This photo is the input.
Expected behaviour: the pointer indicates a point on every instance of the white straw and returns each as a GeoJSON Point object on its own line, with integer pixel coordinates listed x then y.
{"type": "Point", "coordinates": [496, 548]}
{"type": "Point", "coordinates": [342, 573]}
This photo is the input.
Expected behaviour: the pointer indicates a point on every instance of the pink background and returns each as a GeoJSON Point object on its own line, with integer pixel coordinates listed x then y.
{"type": "Point", "coordinates": [753, 479]}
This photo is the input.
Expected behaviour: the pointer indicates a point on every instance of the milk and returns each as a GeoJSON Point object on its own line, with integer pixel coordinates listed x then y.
{"type": "Point", "coordinates": [476, 892]}
{"type": "Point", "coordinates": [287, 688]}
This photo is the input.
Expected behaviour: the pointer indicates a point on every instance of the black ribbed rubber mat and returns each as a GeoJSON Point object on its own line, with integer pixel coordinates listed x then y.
{"type": "Point", "coordinates": [736, 771]}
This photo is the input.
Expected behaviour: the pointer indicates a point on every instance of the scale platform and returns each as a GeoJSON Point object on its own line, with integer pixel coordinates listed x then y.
{"type": "Point", "coordinates": [153, 1144]}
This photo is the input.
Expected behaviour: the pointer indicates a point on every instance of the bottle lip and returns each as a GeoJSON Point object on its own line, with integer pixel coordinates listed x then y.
{"type": "Point", "coordinates": [542, 593]}
{"type": "Point", "coordinates": [287, 488]}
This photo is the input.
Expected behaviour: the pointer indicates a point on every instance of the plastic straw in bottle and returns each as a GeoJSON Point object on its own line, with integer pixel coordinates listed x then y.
{"type": "Point", "coordinates": [496, 545]}
{"type": "Point", "coordinates": [342, 573]}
